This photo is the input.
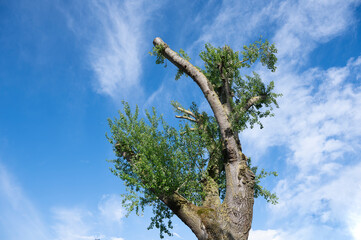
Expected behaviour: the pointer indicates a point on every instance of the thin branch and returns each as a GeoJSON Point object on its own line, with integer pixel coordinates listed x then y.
{"type": "Point", "coordinates": [244, 60]}
{"type": "Point", "coordinates": [186, 111]}
{"type": "Point", "coordinates": [186, 117]}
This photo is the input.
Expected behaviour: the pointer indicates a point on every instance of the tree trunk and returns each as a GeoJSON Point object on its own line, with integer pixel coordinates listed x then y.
{"type": "Point", "coordinates": [229, 221]}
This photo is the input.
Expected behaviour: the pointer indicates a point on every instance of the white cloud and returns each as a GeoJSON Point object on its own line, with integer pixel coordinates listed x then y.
{"type": "Point", "coordinates": [116, 238]}
{"type": "Point", "coordinates": [318, 122]}
{"type": "Point", "coordinates": [318, 106]}
{"type": "Point", "coordinates": [110, 207]}
{"type": "Point", "coordinates": [317, 118]}
{"type": "Point", "coordinates": [321, 207]}
{"type": "Point", "coordinates": [264, 234]}
{"type": "Point", "coordinates": [354, 219]}
{"type": "Point", "coordinates": [79, 223]}
{"type": "Point", "coordinates": [177, 235]}
{"type": "Point", "coordinates": [305, 23]}
{"type": "Point", "coordinates": [72, 224]}
{"type": "Point", "coordinates": [236, 22]}
{"type": "Point", "coordinates": [113, 32]}
{"type": "Point", "coordinates": [300, 25]}
{"type": "Point", "coordinates": [115, 57]}
{"type": "Point", "coordinates": [19, 218]}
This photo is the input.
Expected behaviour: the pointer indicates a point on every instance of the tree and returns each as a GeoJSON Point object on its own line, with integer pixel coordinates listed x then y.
{"type": "Point", "coordinates": [198, 171]}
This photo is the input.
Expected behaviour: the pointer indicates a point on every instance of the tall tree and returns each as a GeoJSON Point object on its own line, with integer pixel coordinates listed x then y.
{"type": "Point", "coordinates": [198, 171]}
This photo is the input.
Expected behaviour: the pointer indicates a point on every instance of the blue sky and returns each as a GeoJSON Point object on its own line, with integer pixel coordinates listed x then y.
{"type": "Point", "coordinates": [65, 67]}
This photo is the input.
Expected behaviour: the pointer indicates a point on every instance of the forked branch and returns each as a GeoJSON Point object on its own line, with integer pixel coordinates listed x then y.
{"type": "Point", "coordinates": [188, 115]}
{"type": "Point", "coordinates": [185, 111]}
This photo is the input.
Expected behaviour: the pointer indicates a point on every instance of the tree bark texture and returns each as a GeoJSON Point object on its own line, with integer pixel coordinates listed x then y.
{"type": "Point", "coordinates": [231, 219]}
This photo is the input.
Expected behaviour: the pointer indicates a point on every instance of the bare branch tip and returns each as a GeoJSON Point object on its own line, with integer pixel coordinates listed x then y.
{"type": "Point", "coordinates": [158, 41]}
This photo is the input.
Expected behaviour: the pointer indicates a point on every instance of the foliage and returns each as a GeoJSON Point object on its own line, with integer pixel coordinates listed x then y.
{"type": "Point", "coordinates": [163, 160]}
{"type": "Point", "coordinates": [155, 159]}
{"type": "Point", "coordinates": [223, 64]}
{"type": "Point", "coordinates": [258, 189]}
{"type": "Point", "coordinates": [157, 51]}
{"type": "Point", "coordinates": [262, 51]}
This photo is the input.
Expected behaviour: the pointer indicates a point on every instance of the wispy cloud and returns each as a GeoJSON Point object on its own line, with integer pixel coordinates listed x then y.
{"type": "Point", "coordinates": [115, 56]}
{"type": "Point", "coordinates": [110, 208]}
{"type": "Point", "coordinates": [303, 24]}
{"type": "Point", "coordinates": [322, 209]}
{"type": "Point", "coordinates": [72, 224]}
{"type": "Point", "coordinates": [19, 218]}
{"type": "Point", "coordinates": [80, 223]}
{"type": "Point", "coordinates": [323, 203]}
{"type": "Point", "coordinates": [317, 118]}
{"type": "Point", "coordinates": [236, 22]}
{"type": "Point", "coordinates": [114, 39]}
{"type": "Point", "coordinates": [298, 26]}
{"type": "Point", "coordinates": [264, 234]}
{"type": "Point", "coordinates": [177, 235]}
{"type": "Point", "coordinates": [319, 125]}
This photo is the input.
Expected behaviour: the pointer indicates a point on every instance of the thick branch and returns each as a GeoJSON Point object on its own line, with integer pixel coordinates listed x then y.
{"type": "Point", "coordinates": [187, 212]}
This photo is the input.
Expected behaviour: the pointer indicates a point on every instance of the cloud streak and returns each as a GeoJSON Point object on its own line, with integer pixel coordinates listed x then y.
{"type": "Point", "coordinates": [264, 234]}
{"type": "Point", "coordinates": [304, 24]}
{"type": "Point", "coordinates": [79, 223]}
{"type": "Point", "coordinates": [114, 33]}
{"type": "Point", "coordinates": [115, 55]}
{"type": "Point", "coordinates": [19, 218]}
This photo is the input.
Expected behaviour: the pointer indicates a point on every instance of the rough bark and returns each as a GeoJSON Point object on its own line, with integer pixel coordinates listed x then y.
{"type": "Point", "coordinates": [232, 219]}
